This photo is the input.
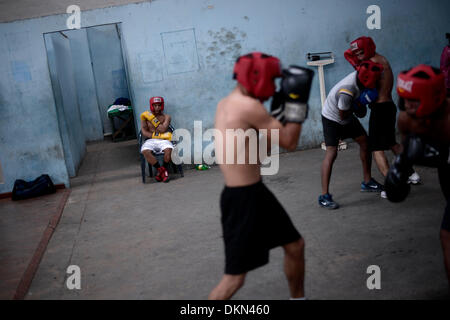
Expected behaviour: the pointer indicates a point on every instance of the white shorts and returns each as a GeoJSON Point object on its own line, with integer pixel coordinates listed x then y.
{"type": "Point", "coordinates": [156, 145]}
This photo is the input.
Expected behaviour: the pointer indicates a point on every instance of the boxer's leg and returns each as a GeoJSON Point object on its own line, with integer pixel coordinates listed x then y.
{"type": "Point", "coordinates": [381, 162]}
{"type": "Point", "coordinates": [366, 159]}
{"type": "Point", "coordinates": [167, 158]}
{"type": "Point", "coordinates": [294, 267]}
{"type": "Point", "coordinates": [227, 287]}
{"type": "Point", "coordinates": [327, 166]}
{"type": "Point", "coordinates": [149, 157]}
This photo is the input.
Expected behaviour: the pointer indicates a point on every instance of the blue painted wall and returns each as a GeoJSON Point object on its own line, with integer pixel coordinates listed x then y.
{"type": "Point", "coordinates": [185, 50]}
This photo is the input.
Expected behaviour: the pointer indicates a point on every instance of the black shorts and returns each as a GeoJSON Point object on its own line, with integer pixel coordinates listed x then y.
{"type": "Point", "coordinates": [382, 126]}
{"type": "Point", "coordinates": [253, 222]}
{"type": "Point", "coordinates": [444, 180]}
{"type": "Point", "coordinates": [333, 131]}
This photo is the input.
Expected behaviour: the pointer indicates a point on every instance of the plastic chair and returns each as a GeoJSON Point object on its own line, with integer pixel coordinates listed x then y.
{"type": "Point", "coordinates": [159, 157]}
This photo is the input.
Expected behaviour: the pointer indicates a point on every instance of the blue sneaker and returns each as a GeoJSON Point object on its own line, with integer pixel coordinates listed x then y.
{"type": "Point", "coordinates": [326, 201]}
{"type": "Point", "coordinates": [371, 186]}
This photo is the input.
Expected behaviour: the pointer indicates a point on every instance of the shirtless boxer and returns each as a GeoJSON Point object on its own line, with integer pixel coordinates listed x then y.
{"type": "Point", "coordinates": [424, 121]}
{"type": "Point", "coordinates": [383, 110]}
{"type": "Point", "coordinates": [339, 122]}
{"type": "Point", "coordinates": [253, 221]}
{"type": "Point", "coordinates": [155, 127]}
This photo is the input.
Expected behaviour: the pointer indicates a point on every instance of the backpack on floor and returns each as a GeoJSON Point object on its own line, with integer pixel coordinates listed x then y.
{"type": "Point", "coordinates": [40, 186]}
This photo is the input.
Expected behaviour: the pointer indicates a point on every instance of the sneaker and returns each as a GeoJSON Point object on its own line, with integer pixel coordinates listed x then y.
{"type": "Point", "coordinates": [383, 194]}
{"type": "Point", "coordinates": [326, 201]}
{"type": "Point", "coordinates": [165, 175]}
{"type": "Point", "coordinates": [371, 186]}
{"type": "Point", "coordinates": [414, 178]}
{"type": "Point", "coordinates": [159, 176]}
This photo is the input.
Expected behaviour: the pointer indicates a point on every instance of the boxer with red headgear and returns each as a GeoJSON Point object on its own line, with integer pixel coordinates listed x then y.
{"type": "Point", "coordinates": [339, 122]}
{"type": "Point", "coordinates": [383, 111]}
{"type": "Point", "coordinates": [253, 221]}
{"type": "Point", "coordinates": [155, 127]}
{"type": "Point", "coordinates": [424, 122]}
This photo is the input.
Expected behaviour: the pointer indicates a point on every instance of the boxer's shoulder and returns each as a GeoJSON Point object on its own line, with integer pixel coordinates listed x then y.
{"type": "Point", "coordinates": [378, 58]}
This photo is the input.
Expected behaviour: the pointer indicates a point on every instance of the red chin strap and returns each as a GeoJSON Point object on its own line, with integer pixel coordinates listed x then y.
{"type": "Point", "coordinates": [424, 84]}
{"type": "Point", "coordinates": [256, 71]}
{"type": "Point", "coordinates": [369, 72]}
{"type": "Point", "coordinates": [154, 100]}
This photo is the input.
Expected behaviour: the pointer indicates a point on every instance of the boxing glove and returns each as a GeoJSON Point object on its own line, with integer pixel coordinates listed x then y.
{"type": "Point", "coordinates": [277, 106]}
{"type": "Point", "coordinates": [352, 58]}
{"type": "Point", "coordinates": [162, 136]}
{"type": "Point", "coordinates": [295, 89]}
{"type": "Point", "coordinates": [360, 110]}
{"type": "Point", "coordinates": [421, 152]}
{"type": "Point", "coordinates": [396, 183]}
{"type": "Point", "coordinates": [150, 117]}
{"type": "Point", "coordinates": [368, 96]}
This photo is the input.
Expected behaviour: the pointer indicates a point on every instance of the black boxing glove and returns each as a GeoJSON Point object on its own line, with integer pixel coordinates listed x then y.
{"type": "Point", "coordinates": [420, 152]}
{"type": "Point", "coordinates": [277, 106]}
{"type": "Point", "coordinates": [295, 88]}
{"type": "Point", "coordinates": [396, 183]}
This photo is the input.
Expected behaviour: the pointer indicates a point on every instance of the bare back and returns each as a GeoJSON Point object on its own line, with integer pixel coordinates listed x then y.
{"type": "Point", "coordinates": [386, 81]}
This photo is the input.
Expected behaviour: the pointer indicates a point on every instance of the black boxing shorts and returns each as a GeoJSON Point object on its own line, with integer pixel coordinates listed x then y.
{"type": "Point", "coordinates": [382, 126]}
{"type": "Point", "coordinates": [253, 222]}
{"type": "Point", "coordinates": [334, 131]}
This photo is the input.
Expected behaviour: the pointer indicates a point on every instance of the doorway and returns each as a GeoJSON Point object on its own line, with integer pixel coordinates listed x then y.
{"type": "Point", "coordinates": [88, 73]}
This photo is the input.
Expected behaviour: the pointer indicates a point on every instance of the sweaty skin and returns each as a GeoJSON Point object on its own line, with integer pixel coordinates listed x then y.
{"type": "Point", "coordinates": [240, 111]}
{"type": "Point", "coordinates": [386, 82]}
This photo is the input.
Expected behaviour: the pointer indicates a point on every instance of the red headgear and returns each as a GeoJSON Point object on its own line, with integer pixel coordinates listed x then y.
{"type": "Point", "coordinates": [424, 84]}
{"type": "Point", "coordinates": [369, 72]}
{"type": "Point", "coordinates": [366, 44]}
{"type": "Point", "coordinates": [256, 71]}
{"type": "Point", "coordinates": [154, 100]}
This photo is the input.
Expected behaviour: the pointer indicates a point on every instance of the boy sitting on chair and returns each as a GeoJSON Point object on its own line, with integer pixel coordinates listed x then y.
{"type": "Point", "coordinates": [155, 127]}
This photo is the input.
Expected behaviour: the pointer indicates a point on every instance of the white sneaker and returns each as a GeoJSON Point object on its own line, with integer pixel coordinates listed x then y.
{"type": "Point", "coordinates": [414, 178]}
{"type": "Point", "coordinates": [383, 194]}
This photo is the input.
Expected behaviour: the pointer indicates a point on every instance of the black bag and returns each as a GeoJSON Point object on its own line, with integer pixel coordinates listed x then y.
{"type": "Point", "coordinates": [38, 187]}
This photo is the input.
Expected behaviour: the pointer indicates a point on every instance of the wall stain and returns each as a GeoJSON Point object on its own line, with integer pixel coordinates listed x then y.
{"type": "Point", "coordinates": [225, 44]}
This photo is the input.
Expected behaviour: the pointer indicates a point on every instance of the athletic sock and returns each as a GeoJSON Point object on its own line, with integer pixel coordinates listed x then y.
{"type": "Point", "coordinates": [156, 165]}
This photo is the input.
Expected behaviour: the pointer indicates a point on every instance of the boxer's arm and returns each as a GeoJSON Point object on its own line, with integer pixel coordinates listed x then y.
{"type": "Point", "coordinates": [165, 125]}
{"type": "Point", "coordinates": [345, 105]}
{"type": "Point", "coordinates": [259, 118]}
{"type": "Point", "coordinates": [147, 130]}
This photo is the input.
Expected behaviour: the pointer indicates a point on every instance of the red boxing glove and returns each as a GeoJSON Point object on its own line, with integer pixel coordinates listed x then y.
{"type": "Point", "coordinates": [352, 58]}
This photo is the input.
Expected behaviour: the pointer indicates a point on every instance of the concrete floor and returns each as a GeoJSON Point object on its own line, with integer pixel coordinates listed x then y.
{"type": "Point", "coordinates": [163, 241]}
{"type": "Point", "coordinates": [22, 225]}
